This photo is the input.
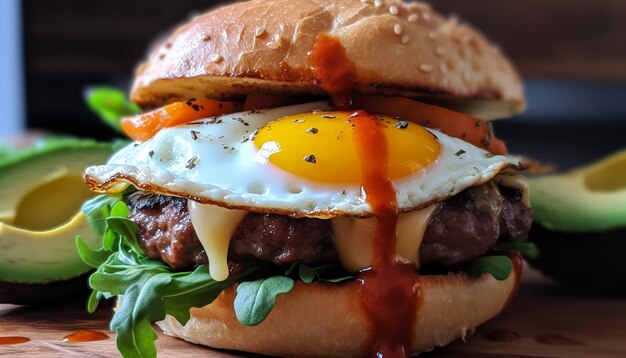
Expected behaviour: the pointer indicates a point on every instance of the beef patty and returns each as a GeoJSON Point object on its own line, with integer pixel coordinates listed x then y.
{"type": "Point", "coordinates": [463, 228]}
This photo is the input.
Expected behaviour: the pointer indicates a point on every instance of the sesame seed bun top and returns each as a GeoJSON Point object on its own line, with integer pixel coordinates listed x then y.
{"type": "Point", "coordinates": [398, 49]}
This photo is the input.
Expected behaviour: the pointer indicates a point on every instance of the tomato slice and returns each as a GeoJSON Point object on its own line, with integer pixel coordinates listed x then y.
{"type": "Point", "coordinates": [454, 124]}
{"type": "Point", "coordinates": [145, 126]}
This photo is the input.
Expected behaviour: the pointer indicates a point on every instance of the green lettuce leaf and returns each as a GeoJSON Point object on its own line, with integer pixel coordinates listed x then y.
{"type": "Point", "coordinates": [110, 104]}
{"type": "Point", "coordinates": [256, 299]}
{"type": "Point", "coordinates": [500, 267]}
{"type": "Point", "coordinates": [150, 289]}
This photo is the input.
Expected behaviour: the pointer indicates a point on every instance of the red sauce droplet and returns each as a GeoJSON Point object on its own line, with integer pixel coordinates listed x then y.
{"type": "Point", "coordinates": [389, 290]}
{"type": "Point", "coordinates": [284, 66]}
{"type": "Point", "coordinates": [503, 335]}
{"type": "Point", "coordinates": [557, 340]}
{"type": "Point", "coordinates": [13, 340]}
{"type": "Point", "coordinates": [334, 71]}
{"type": "Point", "coordinates": [85, 336]}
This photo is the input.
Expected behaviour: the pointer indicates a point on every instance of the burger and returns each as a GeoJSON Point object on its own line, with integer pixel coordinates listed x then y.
{"type": "Point", "coordinates": [313, 178]}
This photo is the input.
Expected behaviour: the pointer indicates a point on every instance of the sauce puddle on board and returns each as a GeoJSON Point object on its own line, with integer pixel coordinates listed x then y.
{"type": "Point", "coordinates": [85, 336]}
{"type": "Point", "coordinates": [13, 340]}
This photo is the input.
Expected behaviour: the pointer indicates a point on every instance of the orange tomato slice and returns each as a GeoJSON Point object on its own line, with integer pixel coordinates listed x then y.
{"type": "Point", "coordinates": [454, 124]}
{"type": "Point", "coordinates": [145, 126]}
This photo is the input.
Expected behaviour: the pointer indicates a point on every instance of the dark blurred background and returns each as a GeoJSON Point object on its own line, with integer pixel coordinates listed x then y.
{"type": "Point", "coordinates": [572, 54]}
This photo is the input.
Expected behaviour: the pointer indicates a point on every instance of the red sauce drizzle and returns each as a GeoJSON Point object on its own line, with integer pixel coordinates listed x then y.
{"type": "Point", "coordinates": [503, 335]}
{"type": "Point", "coordinates": [334, 71]}
{"type": "Point", "coordinates": [85, 336]}
{"type": "Point", "coordinates": [13, 340]}
{"type": "Point", "coordinates": [389, 290]}
{"type": "Point", "coordinates": [557, 340]}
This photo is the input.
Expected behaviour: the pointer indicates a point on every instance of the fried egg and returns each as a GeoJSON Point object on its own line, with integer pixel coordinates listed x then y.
{"type": "Point", "coordinates": [298, 160]}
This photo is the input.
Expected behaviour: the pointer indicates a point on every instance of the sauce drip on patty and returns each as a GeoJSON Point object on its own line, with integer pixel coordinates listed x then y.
{"type": "Point", "coordinates": [389, 290]}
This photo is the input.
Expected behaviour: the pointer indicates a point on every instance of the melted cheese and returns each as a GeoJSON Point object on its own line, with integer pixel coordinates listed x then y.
{"type": "Point", "coordinates": [215, 227]}
{"type": "Point", "coordinates": [354, 238]}
{"type": "Point", "coordinates": [516, 182]}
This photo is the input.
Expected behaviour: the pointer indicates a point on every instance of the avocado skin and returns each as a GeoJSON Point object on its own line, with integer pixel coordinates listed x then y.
{"type": "Point", "coordinates": [586, 261]}
{"type": "Point", "coordinates": [44, 293]}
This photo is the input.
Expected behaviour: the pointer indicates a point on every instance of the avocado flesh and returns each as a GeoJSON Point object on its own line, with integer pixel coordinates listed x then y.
{"type": "Point", "coordinates": [40, 197]}
{"type": "Point", "coordinates": [588, 199]}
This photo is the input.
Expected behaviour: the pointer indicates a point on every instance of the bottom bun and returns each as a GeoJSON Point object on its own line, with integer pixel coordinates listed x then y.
{"type": "Point", "coordinates": [326, 320]}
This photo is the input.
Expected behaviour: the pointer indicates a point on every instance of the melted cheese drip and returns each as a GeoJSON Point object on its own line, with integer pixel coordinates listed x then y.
{"type": "Point", "coordinates": [516, 182]}
{"type": "Point", "coordinates": [215, 227]}
{"type": "Point", "coordinates": [354, 238]}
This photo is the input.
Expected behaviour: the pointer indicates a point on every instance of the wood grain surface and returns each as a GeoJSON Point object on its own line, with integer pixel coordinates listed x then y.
{"type": "Point", "coordinates": [598, 323]}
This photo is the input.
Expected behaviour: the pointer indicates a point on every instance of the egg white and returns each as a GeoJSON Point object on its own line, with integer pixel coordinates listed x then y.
{"type": "Point", "coordinates": [215, 161]}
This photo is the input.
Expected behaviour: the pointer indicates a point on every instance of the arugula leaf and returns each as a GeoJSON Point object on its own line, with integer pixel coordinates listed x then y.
{"type": "Point", "coordinates": [98, 208]}
{"type": "Point", "coordinates": [307, 274]}
{"type": "Point", "coordinates": [150, 289]}
{"type": "Point", "coordinates": [528, 249]}
{"type": "Point", "coordinates": [256, 299]}
{"type": "Point", "coordinates": [500, 267]}
{"type": "Point", "coordinates": [110, 104]}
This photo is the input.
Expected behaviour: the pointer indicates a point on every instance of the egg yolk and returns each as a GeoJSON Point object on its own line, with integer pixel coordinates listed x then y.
{"type": "Point", "coordinates": [320, 147]}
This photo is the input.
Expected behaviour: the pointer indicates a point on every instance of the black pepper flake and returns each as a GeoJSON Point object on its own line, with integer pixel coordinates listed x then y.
{"type": "Point", "coordinates": [136, 145]}
{"type": "Point", "coordinates": [402, 125]}
{"type": "Point", "coordinates": [343, 192]}
{"type": "Point", "coordinates": [478, 123]}
{"type": "Point", "coordinates": [464, 135]}
{"type": "Point", "coordinates": [191, 164]}
{"type": "Point", "coordinates": [460, 153]}
{"type": "Point", "coordinates": [328, 116]}
{"type": "Point", "coordinates": [310, 159]}
{"type": "Point", "coordinates": [245, 139]}
{"type": "Point", "coordinates": [312, 130]}
{"type": "Point", "coordinates": [298, 121]}
{"type": "Point", "coordinates": [151, 153]}
{"type": "Point", "coordinates": [195, 135]}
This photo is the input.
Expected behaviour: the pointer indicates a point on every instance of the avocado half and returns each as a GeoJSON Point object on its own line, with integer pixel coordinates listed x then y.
{"type": "Point", "coordinates": [580, 224]}
{"type": "Point", "coordinates": [41, 192]}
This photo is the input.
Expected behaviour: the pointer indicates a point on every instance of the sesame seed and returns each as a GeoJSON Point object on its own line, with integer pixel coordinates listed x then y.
{"type": "Point", "coordinates": [215, 58]}
{"type": "Point", "coordinates": [276, 38]}
{"type": "Point", "coordinates": [405, 39]}
{"type": "Point", "coordinates": [393, 10]}
{"type": "Point", "coordinates": [378, 3]}
{"type": "Point", "coordinates": [426, 68]}
{"type": "Point", "coordinates": [397, 29]}
{"type": "Point", "coordinates": [364, 1]}
{"type": "Point", "coordinates": [259, 31]}
{"type": "Point", "coordinates": [273, 45]}
{"type": "Point", "coordinates": [443, 68]}
{"type": "Point", "coordinates": [413, 17]}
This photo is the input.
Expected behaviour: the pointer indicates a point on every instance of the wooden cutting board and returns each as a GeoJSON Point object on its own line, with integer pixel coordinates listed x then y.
{"type": "Point", "coordinates": [594, 326]}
